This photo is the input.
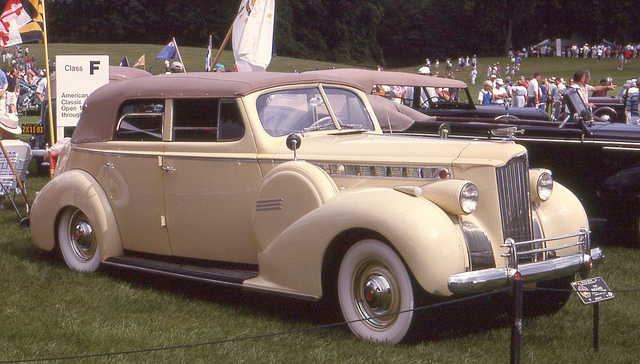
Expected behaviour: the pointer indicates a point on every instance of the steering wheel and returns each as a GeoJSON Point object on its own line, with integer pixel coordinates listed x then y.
{"type": "Point", "coordinates": [322, 123]}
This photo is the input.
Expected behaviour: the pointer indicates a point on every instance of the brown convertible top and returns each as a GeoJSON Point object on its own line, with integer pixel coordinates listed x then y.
{"type": "Point", "coordinates": [98, 118]}
{"type": "Point", "coordinates": [368, 78]}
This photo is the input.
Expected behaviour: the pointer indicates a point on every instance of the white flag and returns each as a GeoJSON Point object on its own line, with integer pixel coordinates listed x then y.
{"type": "Point", "coordinates": [253, 35]}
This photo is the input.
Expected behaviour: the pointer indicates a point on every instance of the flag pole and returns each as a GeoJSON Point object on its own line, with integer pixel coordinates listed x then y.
{"type": "Point", "coordinates": [48, 75]}
{"type": "Point", "coordinates": [209, 52]}
{"type": "Point", "coordinates": [226, 39]}
{"type": "Point", "coordinates": [224, 44]}
{"type": "Point", "coordinates": [184, 69]}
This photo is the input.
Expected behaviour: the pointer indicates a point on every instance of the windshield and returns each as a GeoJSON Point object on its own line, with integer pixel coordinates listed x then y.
{"type": "Point", "coordinates": [444, 98]}
{"type": "Point", "coordinates": [576, 104]}
{"type": "Point", "coordinates": [310, 109]}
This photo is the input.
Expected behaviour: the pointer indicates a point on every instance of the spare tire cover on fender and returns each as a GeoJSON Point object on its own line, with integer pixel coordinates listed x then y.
{"type": "Point", "coordinates": [288, 192]}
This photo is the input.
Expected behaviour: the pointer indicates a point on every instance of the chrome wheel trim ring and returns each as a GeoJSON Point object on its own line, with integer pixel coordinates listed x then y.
{"type": "Point", "coordinates": [81, 237]}
{"type": "Point", "coordinates": [375, 295]}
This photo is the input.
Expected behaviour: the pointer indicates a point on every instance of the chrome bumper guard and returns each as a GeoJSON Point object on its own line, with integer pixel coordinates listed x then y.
{"type": "Point", "coordinates": [486, 280]}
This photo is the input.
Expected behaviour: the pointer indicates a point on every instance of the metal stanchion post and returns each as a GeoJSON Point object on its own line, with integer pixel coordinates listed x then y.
{"type": "Point", "coordinates": [516, 329]}
{"type": "Point", "coordinates": [596, 326]}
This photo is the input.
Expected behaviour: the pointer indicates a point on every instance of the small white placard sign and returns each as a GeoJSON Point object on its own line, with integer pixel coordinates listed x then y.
{"type": "Point", "coordinates": [76, 78]}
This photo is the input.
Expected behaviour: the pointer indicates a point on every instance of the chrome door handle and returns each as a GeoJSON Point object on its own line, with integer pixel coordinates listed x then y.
{"type": "Point", "coordinates": [168, 169]}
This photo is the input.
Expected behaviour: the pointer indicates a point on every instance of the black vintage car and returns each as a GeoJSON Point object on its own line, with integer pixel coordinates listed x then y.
{"type": "Point", "coordinates": [599, 161]}
{"type": "Point", "coordinates": [612, 108]}
{"type": "Point", "coordinates": [434, 96]}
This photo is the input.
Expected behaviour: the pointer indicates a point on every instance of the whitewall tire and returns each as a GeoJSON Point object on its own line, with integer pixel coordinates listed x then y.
{"type": "Point", "coordinates": [373, 286]}
{"type": "Point", "coordinates": [77, 239]}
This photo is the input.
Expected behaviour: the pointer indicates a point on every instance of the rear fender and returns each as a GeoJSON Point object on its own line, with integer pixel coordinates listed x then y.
{"type": "Point", "coordinates": [75, 188]}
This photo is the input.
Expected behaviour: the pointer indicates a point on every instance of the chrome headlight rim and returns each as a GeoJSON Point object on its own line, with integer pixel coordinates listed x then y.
{"type": "Point", "coordinates": [544, 186]}
{"type": "Point", "coordinates": [468, 197]}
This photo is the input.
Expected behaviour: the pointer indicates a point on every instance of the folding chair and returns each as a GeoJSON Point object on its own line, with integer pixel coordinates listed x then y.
{"type": "Point", "coordinates": [23, 157]}
{"type": "Point", "coordinates": [8, 180]}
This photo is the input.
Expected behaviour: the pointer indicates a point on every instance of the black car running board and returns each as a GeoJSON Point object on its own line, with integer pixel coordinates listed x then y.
{"type": "Point", "coordinates": [227, 277]}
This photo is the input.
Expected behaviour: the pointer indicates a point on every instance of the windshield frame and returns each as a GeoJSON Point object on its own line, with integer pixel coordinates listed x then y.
{"type": "Point", "coordinates": [318, 107]}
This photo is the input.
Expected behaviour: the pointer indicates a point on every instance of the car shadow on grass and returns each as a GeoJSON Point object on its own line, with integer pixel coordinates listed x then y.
{"type": "Point", "coordinates": [443, 322]}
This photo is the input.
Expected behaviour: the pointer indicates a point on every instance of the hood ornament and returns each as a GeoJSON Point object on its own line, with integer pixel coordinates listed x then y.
{"type": "Point", "coordinates": [507, 133]}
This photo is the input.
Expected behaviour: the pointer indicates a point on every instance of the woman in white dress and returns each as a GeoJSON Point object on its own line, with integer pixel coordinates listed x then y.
{"type": "Point", "coordinates": [519, 94]}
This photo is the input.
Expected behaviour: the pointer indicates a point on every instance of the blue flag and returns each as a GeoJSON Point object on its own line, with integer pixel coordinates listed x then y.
{"type": "Point", "coordinates": [124, 62]}
{"type": "Point", "coordinates": [168, 52]}
{"type": "Point", "coordinates": [207, 58]}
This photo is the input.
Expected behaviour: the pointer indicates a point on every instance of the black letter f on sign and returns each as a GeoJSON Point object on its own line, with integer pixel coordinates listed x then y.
{"type": "Point", "coordinates": [93, 66]}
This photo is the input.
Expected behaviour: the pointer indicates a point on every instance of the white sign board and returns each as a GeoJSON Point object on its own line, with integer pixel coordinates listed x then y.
{"type": "Point", "coordinates": [76, 78]}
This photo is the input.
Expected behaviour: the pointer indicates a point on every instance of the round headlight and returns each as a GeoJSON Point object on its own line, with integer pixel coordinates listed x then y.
{"type": "Point", "coordinates": [469, 198]}
{"type": "Point", "coordinates": [544, 187]}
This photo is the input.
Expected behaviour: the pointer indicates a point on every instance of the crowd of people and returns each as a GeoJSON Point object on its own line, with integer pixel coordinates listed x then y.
{"type": "Point", "coordinates": [20, 71]}
{"type": "Point", "coordinates": [502, 87]}
{"type": "Point", "coordinates": [20, 75]}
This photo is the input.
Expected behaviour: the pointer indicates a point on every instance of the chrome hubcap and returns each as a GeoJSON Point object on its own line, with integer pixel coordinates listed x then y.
{"type": "Point", "coordinates": [81, 237]}
{"type": "Point", "coordinates": [377, 293]}
{"type": "Point", "coordinates": [375, 296]}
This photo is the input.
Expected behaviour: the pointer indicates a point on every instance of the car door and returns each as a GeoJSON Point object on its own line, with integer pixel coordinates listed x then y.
{"type": "Point", "coordinates": [132, 178]}
{"type": "Point", "coordinates": [211, 174]}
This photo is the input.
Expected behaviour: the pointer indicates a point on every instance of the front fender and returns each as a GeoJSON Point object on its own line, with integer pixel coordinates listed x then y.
{"type": "Point", "coordinates": [426, 238]}
{"type": "Point", "coordinates": [74, 188]}
{"type": "Point", "coordinates": [560, 215]}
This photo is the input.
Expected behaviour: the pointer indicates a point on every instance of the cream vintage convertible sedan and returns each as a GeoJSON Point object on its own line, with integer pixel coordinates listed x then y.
{"type": "Point", "coordinates": [284, 183]}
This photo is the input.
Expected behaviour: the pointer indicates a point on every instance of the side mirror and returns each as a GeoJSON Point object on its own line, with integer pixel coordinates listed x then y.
{"type": "Point", "coordinates": [293, 143]}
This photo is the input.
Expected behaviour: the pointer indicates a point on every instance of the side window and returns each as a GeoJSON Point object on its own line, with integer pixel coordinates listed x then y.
{"type": "Point", "coordinates": [230, 125]}
{"type": "Point", "coordinates": [140, 120]}
{"type": "Point", "coordinates": [206, 120]}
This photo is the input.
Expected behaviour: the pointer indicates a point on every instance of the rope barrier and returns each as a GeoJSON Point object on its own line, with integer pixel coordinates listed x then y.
{"type": "Point", "coordinates": [246, 338]}
{"type": "Point", "coordinates": [289, 332]}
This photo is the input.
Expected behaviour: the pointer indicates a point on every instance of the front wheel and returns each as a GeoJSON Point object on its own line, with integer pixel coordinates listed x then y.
{"type": "Point", "coordinates": [78, 243]}
{"type": "Point", "coordinates": [549, 297]}
{"type": "Point", "coordinates": [375, 292]}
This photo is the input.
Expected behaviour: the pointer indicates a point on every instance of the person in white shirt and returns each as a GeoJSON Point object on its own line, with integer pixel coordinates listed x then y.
{"type": "Point", "coordinates": [581, 83]}
{"type": "Point", "coordinates": [499, 93]}
{"type": "Point", "coordinates": [533, 91]}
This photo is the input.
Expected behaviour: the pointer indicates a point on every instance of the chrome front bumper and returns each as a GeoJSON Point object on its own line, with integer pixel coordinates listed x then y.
{"type": "Point", "coordinates": [486, 280]}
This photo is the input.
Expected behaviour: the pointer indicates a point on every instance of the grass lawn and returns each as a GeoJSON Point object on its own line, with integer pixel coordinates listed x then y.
{"type": "Point", "coordinates": [47, 311]}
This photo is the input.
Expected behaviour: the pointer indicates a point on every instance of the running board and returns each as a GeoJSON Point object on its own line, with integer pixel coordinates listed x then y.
{"type": "Point", "coordinates": [226, 277]}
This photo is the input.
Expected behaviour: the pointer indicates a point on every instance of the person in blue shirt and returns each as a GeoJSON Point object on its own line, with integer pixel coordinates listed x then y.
{"type": "Point", "coordinates": [4, 83]}
{"type": "Point", "coordinates": [486, 94]}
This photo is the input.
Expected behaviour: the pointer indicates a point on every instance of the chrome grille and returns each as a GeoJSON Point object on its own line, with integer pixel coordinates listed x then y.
{"type": "Point", "coordinates": [515, 204]}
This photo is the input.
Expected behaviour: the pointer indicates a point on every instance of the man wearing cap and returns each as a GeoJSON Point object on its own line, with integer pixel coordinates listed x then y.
{"type": "Point", "coordinates": [499, 93]}
{"type": "Point", "coordinates": [219, 67]}
{"type": "Point", "coordinates": [176, 67]}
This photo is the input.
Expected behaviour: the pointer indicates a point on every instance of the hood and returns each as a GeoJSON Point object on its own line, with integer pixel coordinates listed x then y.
{"type": "Point", "coordinates": [404, 149]}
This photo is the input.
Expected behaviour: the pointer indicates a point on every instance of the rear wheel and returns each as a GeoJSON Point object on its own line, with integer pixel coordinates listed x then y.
{"type": "Point", "coordinates": [78, 243]}
{"type": "Point", "coordinates": [375, 292]}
